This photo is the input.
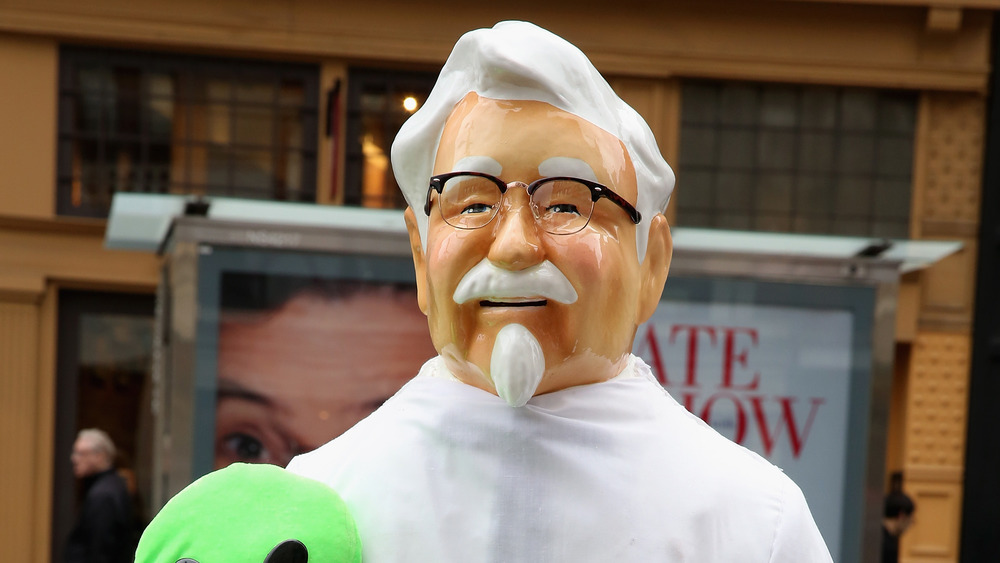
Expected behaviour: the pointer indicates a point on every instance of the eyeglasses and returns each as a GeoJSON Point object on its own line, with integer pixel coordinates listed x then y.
{"type": "Point", "coordinates": [562, 205]}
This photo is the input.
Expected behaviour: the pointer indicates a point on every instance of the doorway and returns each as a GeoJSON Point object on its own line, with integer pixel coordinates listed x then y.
{"type": "Point", "coordinates": [103, 380]}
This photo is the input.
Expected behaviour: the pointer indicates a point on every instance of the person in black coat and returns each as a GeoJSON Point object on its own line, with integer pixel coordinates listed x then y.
{"type": "Point", "coordinates": [898, 516]}
{"type": "Point", "coordinates": [105, 527]}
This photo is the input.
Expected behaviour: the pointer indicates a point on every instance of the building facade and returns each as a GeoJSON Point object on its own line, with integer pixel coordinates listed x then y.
{"type": "Point", "coordinates": [852, 117]}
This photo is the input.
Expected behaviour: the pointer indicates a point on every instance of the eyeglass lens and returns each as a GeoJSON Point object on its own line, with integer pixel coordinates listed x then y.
{"type": "Point", "coordinates": [559, 206]}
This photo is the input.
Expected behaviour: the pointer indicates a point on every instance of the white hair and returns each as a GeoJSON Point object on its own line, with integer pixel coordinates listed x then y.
{"type": "Point", "coordinates": [100, 441]}
{"type": "Point", "coordinates": [521, 61]}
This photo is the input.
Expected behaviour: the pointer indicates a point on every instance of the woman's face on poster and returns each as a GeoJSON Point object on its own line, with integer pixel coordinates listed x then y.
{"type": "Point", "coordinates": [294, 378]}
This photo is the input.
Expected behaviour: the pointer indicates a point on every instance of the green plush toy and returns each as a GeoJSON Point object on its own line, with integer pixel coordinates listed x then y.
{"type": "Point", "coordinates": [249, 514]}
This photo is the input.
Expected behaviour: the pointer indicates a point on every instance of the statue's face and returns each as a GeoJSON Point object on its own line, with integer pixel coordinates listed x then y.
{"type": "Point", "coordinates": [583, 341]}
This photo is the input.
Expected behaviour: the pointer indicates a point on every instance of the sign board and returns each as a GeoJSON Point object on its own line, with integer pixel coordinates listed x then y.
{"type": "Point", "coordinates": [778, 369]}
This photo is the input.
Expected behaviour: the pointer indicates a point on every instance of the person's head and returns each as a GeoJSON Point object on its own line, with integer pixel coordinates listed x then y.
{"type": "Point", "coordinates": [519, 103]}
{"type": "Point", "coordinates": [93, 452]}
{"type": "Point", "coordinates": [300, 361]}
{"type": "Point", "coordinates": [515, 61]}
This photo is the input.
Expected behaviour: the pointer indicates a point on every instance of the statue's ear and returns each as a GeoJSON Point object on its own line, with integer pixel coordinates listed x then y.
{"type": "Point", "coordinates": [419, 261]}
{"type": "Point", "coordinates": [655, 266]}
{"type": "Point", "coordinates": [288, 551]}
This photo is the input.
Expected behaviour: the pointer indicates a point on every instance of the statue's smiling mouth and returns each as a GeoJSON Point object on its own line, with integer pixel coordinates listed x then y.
{"type": "Point", "coordinates": [533, 302]}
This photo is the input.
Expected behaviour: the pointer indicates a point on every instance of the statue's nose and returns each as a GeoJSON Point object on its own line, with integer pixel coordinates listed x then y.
{"type": "Point", "coordinates": [516, 244]}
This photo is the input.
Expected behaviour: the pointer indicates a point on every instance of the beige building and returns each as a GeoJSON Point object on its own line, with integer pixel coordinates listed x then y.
{"type": "Point", "coordinates": [833, 117]}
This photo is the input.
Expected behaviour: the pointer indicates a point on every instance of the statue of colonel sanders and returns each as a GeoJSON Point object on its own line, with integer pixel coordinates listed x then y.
{"type": "Point", "coordinates": [536, 200]}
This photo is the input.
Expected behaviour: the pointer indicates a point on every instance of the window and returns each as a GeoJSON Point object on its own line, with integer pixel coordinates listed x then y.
{"type": "Point", "coordinates": [159, 123]}
{"type": "Point", "coordinates": [801, 159]}
{"type": "Point", "coordinates": [378, 102]}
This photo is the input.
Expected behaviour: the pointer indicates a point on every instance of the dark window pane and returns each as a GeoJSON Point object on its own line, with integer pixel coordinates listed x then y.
{"type": "Point", "coordinates": [126, 107]}
{"type": "Point", "coordinates": [819, 108]}
{"type": "Point", "coordinates": [93, 98]}
{"type": "Point", "coordinates": [179, 170]}
{"type": "Point", "coordinates": [849, 226]}
{"type": "Point", "coordinates": [87, 172]}
{"type": "Point", "coordinates": [891, 229]}
{"type": "Point", "coordinates": [208, 123]}
{"type": "Point", "coordinates": [895, 156]}
{"type": "Point", "coordinates": [211, 170]}
{"type": "Point", "coordinates": [776, 149]}
{"type": "Point", "coordinates": [256, 92]}
{"type": "Point", "coordinates": [856, 154]}
{"type": "Point", "coordinates": [695, 188]}
{"type": "Point", "coordinates": [852, 197]}
{"type": "Point", "coordinates": [291, 94]}
{"type": "Point", "coordinates": [814, 195]}
{"type": "Point", "coordinates": [896, 115]}
{"type": "Point", "coordinates": [816, 152]}
{"type": "Point", "coordinates": [254, 126]}
{"type": "Point", "coordinates": [160, 118]}
{"type": "Point", "coordinates": [160, 85]}
{"type": "Point", "coordinates": [696, 219]}
{"type": "Point", "coordinates": [157, 169]}
{"type": "Point", "coordinates": [892, 200]}
{"type": "Point", "coordinates": [290, 126]}
{"type": "Point", "coordinates": [215, 90]}
{"type": "Point", "coordinates": [289, 172]}
{"type": "Point", "coordinates": [857, 109]}
{"type": "Point", "coordinates": [736, 148]}
{"type": "Point", "coordinates": [811, 224]}
{"type": "Point", "coordinates": [124, 159]}
{"type": "Point", "coordinates": [733, 221]}
{"type": "Point", "coordinates": [700, 105]}
{"type": "Point", "coordinates": [735, 191]}
{"type": "Point", "coordinates": [699, 146]}
{"type": "Point", "coordinates": [372, 102]}
{"type": "Point", "coordinates": [93, 80]}
{"type": "Point", "coordinates": [779, 107]}
{"type": "Point", "coordinates": [738, 105]}
{"type": "Point", "coordinates": [773, 223]}
{"type": "Point", "coordinates": [773, 193]}
{"type": "Point", "coordinates": [253, 169]}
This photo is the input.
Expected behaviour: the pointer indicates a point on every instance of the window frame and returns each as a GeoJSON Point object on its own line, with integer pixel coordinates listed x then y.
{"type": "Point", "coordinates": [72, 58]}
{"type": "Point", "coordinates": [865, 217]}
{"type": "Point", "coordinates": [393, 83]}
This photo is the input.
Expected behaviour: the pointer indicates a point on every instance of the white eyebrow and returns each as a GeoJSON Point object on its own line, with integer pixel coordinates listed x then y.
{"type": "Point", "coordinates": [567, 166]}
{"type": "Point", "coordinates": [483, 164]}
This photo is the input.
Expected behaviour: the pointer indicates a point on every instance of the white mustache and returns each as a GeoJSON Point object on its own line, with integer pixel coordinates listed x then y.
{"type": "Point", "coordinates": [487, 281]}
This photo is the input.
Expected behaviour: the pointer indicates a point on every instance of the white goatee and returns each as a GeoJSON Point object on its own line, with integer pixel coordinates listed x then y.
{"type": "Point", "coordinates": [517, 364]}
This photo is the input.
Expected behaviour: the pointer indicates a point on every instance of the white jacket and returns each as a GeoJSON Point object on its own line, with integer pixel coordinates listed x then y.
{"type": "Point", "coordinates": [609, 472]}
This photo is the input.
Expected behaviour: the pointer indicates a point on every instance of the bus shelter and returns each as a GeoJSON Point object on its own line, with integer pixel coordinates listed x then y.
{"type": "Point", "coordinates": [783, 343]}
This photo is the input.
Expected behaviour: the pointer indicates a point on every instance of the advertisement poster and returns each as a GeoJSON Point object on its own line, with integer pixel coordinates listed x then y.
{"type": "Point", "coordinates": [774, 379]}
{"type": "Point", "coordinates": [301, 360]}
{"type": "Point", "coordinates": [295, 348]}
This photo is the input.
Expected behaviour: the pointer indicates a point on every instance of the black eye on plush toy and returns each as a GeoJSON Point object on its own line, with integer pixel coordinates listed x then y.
{"type": "Point", "coordinates": [288, 551]}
